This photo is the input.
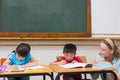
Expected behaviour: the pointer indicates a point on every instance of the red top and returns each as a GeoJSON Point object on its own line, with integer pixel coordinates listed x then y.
{"type": "Point", "coordinates": [78, 76]}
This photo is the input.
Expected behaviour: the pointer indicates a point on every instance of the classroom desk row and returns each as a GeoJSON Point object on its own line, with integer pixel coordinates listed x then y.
{"type": "Point", "coordinates": [48, 71]}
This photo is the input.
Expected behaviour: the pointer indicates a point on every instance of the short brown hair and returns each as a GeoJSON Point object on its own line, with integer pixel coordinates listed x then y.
{"type": "Point", "coordinates": [69, 48]}
{"type": "Point", "coordinates": [23, 49]}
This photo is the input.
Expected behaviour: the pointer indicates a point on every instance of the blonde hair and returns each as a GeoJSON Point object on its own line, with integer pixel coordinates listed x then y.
{"type": "Point", "coordinates": [112, 44]}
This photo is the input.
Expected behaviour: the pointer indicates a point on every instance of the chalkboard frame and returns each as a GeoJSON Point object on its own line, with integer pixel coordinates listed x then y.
{"type": "Point", "coordinates": [53, 35]}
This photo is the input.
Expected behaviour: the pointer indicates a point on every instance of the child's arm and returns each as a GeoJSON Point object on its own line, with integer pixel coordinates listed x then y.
{"type": "Point", "coordinates": [77, 59]}
{"type": "Point", "coordinates": [7, 63]}
{"type": "Point", "coordinates": [74, 61]}
{"type": "Point", "coordinates": [58, 63]}
{"type": "Point", "coordinates": [33, 62]}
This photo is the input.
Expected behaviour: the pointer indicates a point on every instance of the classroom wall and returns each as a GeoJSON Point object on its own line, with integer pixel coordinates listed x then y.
{"type": "Point", "coordinates": [105, 15]}
{"type": "Point", "coordinates": [46, 54]}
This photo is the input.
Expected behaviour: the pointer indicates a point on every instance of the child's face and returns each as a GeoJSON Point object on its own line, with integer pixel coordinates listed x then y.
{"type": "Point", "coordinates": [19, 57]}
{"type": "Point", "coordinates": [69, 56]}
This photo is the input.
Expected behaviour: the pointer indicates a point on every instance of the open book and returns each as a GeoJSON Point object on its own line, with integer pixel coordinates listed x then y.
{"type": "Point", "coordinates": [23, 69]}
{"type": "Point", "coordinates": [76, 65]}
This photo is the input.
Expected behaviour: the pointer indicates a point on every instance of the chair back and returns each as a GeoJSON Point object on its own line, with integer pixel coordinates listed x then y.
{"type": "Point", "coordinates": [83, 58]}
{"type": "Point", "coordinates": [2, 60]}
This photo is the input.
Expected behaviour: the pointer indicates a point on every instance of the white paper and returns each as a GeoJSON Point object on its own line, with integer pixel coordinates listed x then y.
{"type": "Point", "coordinates": [23, 69]}
{"type": "Point", "coordinates": [35, 67]}
{"type": "Point", "coordinates": [73, 65]}
{"type": "Point", "coordinates": [103, 65]}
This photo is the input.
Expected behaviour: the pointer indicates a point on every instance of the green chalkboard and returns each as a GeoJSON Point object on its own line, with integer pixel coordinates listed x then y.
{"type": "Point", "coordinates": [52, 17]}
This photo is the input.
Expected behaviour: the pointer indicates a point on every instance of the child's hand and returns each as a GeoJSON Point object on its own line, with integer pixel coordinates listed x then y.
{"type": "Point", "coordinates": [23, 66]}
{"type": "Point", "coordinates": [74, 61]}
{"type": "Point", "coordinates": [14, 67]}
{"type": "Point", "coordinates": [62, 62]}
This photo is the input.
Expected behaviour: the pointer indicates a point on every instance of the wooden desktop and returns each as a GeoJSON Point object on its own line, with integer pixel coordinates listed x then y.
{"type": "Point", "coordinates": [60, 70]}
{"type": "Point", "coordinates": [46, 71]}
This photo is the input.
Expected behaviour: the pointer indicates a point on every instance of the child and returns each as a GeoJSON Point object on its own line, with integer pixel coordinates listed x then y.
{"type": "Point", "coordinates": [20, 57]}
{"type": "Point", "coordinates": [69, 52]}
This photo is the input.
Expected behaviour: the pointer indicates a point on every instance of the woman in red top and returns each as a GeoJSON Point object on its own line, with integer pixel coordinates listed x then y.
{"type": "Point", "coordinates": [69, 52]}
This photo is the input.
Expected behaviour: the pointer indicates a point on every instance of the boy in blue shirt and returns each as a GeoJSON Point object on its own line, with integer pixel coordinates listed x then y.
{"type": "Point", "coordinates": [20, 57]}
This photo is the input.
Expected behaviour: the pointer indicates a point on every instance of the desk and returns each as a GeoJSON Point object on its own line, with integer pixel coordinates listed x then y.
{"type": "Point", "coordinates": [61, 71]}
{"type": "Point", "coordinates": [43, 71]}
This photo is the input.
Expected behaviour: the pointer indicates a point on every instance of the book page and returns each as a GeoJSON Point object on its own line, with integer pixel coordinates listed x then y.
{"type": "Point", "coordinates": [73, 65]}
{"type": "Point", "coordinates": [35, 67]}
{"type": "Point", "coordinates": [23, 69]}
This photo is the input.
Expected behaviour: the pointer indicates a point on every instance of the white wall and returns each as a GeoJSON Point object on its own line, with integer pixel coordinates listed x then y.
{"type": "Point", "coordinates": [105, 16]}
{"type": "Point", "coordinates": [46, 54]}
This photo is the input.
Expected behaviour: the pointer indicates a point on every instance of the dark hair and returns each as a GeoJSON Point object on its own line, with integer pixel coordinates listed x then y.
{"type": "Point", "coordinates": [112, 44]}
{"type": "Point", "coordinates": [69, 48]}
{"type": "Point", "coordinates": [23, 49]}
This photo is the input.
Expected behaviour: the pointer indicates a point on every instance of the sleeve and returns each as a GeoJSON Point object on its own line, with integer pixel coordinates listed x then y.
{"type": "Point", "coordinates": [57, 61]}
{"type": "Point", "coordinates": [78, 59]}
{"type": "Point", "coordinates": [12, 58]}
{"type": "Point", "coordinates": [28, 58]}
{"type": "Point", "coordinates": [59, 58]}
{"type": "Point", "coordinates": [118, 69]}
{"type": "Point", "coordinates": [116, 64]}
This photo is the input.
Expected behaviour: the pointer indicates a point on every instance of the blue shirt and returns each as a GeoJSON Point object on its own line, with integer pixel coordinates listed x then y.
{"type": "Point", "coordinates": [14, 61]}
{"type": "Point", "coordinates": [115, 62]}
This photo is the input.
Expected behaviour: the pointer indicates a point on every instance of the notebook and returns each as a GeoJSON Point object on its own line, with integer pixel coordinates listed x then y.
{"type": "Point", "coordinates": [76, 65]}
{"type": "Point", "coordinates": [2, 68]}
{"type": "Point", "coordinates": [23, 69]}
{"type": "Point", "coordinates": [103, 66]}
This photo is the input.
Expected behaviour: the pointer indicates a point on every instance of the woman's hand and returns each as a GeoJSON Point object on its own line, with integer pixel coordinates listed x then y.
{"type": "Point", "coordinates": [93, 61]}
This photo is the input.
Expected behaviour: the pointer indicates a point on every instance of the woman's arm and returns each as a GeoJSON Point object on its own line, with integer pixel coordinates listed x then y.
{"type": "Point", "coordinates": [118, 76]}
